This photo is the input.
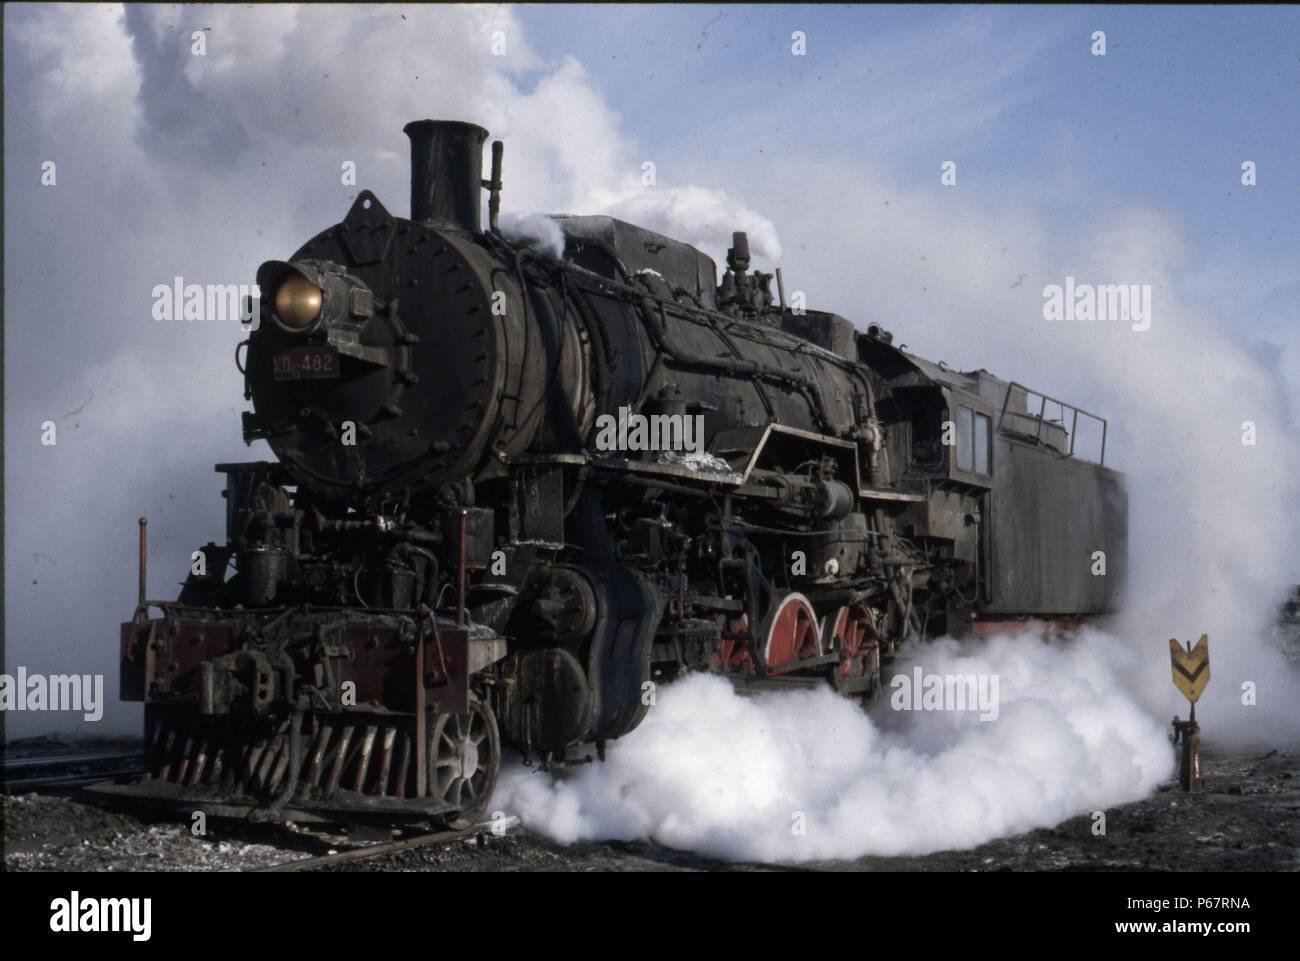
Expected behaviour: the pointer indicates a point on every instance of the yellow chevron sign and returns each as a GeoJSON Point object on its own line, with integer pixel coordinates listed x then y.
{"type": "Point", "coordinates": [1191, 668]}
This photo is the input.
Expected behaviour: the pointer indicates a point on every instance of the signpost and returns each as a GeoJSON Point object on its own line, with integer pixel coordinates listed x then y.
{"type": "Point", "coordinates": [1191, 669]}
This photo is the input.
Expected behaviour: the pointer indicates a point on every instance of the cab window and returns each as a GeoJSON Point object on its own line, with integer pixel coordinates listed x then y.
{"type": "Point", "coordinates": [974, 435]}
{"type": "Point", "coordinates": [965, 442]}
{"type": "Point", "coordinates": [983, 430]}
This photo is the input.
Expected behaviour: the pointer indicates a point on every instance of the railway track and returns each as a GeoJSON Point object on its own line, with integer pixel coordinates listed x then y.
{"type": "Point", "coordinates": [21, 774]}
{"type": "Point", "coordinates": [18, 774]}
{"type": "Point", "coordinates": [498, 828]}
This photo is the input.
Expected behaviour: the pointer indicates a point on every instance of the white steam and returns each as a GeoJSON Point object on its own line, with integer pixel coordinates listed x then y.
{"type": "Point", "coordinates": [737, 777]}
{"type": "Point", "coordinates": [537, 231]}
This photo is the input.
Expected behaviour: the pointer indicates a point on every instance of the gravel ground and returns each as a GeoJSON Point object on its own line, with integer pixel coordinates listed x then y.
{"type": "Point", "coordinates": [1248, 819]}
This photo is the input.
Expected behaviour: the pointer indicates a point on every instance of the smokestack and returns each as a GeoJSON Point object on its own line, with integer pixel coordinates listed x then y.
{"type": "Point", "coordinates": [446, 172]}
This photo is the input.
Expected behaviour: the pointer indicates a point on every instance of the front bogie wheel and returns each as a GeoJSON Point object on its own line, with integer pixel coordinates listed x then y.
{"type": "Point", "coordinates": [465, 758]}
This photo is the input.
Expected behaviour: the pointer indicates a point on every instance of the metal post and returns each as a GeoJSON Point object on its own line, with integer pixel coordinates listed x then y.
{"type": "Point", "coordinates": [460, 572]}
{"type": "Point", "coordinates": [1193, 749]}
{"type": "Point", "coordinates": [144, 550]}
{"type": "Point", "coordinates": [1193, 753]}
{"type": "Point", "coordinates": [421, 747]}
{"type": "Point", "coordinates": [1188, 735]}
{"type": "Point", "coordinates": [494, 185]}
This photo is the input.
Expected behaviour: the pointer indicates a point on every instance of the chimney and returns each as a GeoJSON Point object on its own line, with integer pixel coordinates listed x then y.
{"type": "Point", "coordinates": [446, 172]}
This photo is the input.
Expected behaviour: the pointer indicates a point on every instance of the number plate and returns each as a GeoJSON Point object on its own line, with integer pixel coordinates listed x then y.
{"type": "Point", "coordinates": [306, 363]}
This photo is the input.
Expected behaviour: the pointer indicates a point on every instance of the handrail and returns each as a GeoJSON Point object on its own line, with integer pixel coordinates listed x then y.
{"type": "Point", "coordinates": [1042, 410]}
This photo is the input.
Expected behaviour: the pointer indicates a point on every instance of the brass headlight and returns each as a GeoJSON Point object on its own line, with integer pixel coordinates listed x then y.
{"type": "Point", "coordinates": [297, 301]}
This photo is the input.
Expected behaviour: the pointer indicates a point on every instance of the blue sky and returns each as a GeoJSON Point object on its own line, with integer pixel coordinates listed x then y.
{"type": "Point", "coordinates": [1012, 94]}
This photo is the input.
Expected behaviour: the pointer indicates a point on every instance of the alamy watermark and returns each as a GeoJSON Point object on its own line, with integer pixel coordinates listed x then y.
{"type": "Point", "coordinates": [75, 914]}
{"type": "Point", "coordinates": [221, 302]}
{"type": "Point", "coordinates": [53, 692]}
{"type": "Point", "coordinates": [946, 692]}
{"type": "Point", "coordinates": [1125, 302]}
{"type": "Point", "coordinates": [650, 432]}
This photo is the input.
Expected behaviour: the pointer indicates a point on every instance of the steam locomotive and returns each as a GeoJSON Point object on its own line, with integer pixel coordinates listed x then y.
{"type": "Point", "coordinates": [459, 547]}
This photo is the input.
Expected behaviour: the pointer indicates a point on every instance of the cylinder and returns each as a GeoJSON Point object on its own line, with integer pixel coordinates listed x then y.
{"type": "Point", "coordinates": [446, 172]}
{"type": "Point", "coordinates": [261, 571]}
{"type": "Point", "coordinates": [834, 499]}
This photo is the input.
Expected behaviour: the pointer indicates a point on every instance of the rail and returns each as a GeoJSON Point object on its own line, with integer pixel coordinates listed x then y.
{"type": "Point", "coordinates": [394, 847]}
{"type": "Point", "coordinates": [18, 774]}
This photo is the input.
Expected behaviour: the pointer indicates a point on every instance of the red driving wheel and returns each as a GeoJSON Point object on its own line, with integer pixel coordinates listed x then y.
{"type": "Point", "coordinates": [791, 634]}
{"type": "Point", "coordinates": [856, 629]}
{"type": "Point", "coordinates": [733, 655]}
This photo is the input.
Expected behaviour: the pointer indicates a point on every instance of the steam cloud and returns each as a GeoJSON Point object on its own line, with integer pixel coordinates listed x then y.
{"type": "Point", "coordinates": [732, 776]}
{"type": "Point", "coordinates": [534, 230]}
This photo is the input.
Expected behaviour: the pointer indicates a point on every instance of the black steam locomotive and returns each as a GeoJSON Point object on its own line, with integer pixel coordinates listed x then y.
{"type": "Point", "coordinates": [515, 491]}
